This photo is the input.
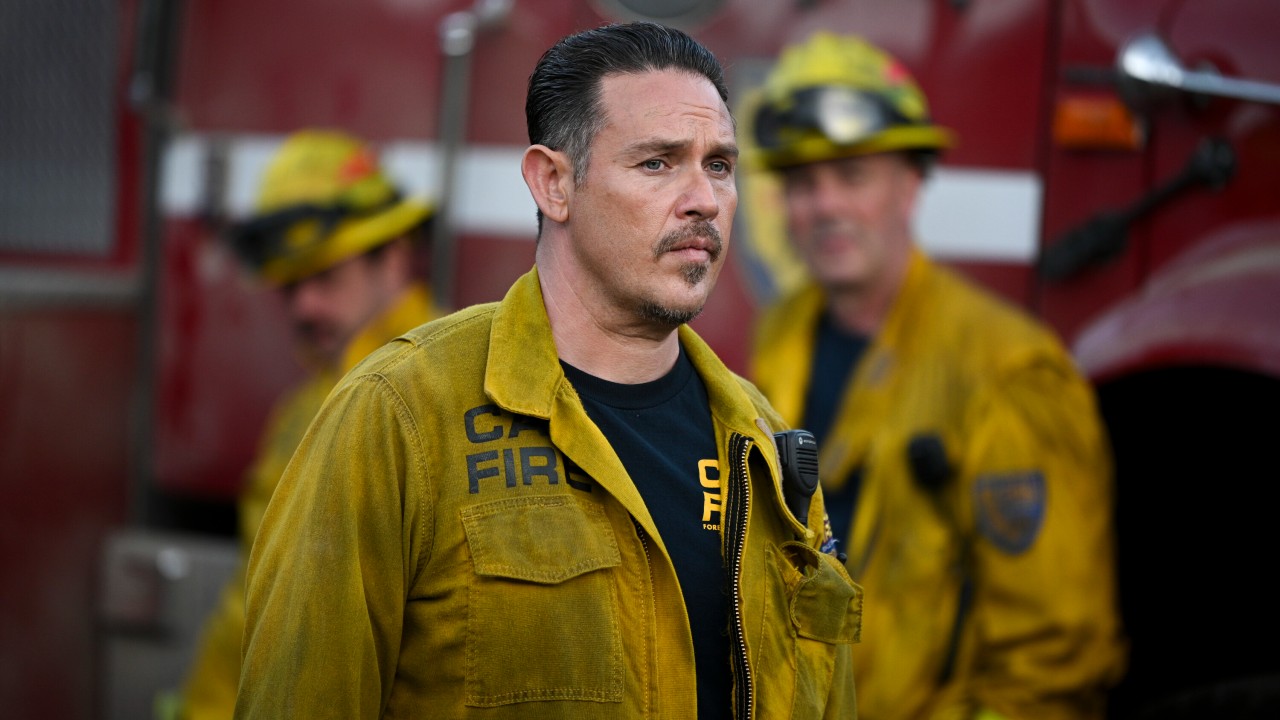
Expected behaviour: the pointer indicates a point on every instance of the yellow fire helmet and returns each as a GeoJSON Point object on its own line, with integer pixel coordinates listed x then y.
{"type": "Point", "coordinates": [324, 199]}
{"type": "Point", "coordinates": [836, 96]}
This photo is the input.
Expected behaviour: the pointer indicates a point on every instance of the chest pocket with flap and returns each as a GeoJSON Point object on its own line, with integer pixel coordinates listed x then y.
{"type": "Point", "coordinates": [542, 619]}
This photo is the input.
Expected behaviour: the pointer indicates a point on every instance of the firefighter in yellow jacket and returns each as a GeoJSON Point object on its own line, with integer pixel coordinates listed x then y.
{"type": "Point", "coordinates": [331, 231]}
{"type": "Point", "coordinates": [966, 470]}
{"type": "Point", "coordinates": [562, 504]}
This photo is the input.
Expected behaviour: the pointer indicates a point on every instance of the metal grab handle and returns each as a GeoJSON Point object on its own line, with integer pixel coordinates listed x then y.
{"type": "Point", "coordinates": [1103, 237]}
{"type": "Point", "coordinates": [1146, 58]}
{"type": "Point", "coordinates": [458, 33]}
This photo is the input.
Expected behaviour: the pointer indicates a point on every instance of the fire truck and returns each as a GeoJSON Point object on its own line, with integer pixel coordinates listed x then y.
{"type": "Point", "coordinates": [1116, 174]}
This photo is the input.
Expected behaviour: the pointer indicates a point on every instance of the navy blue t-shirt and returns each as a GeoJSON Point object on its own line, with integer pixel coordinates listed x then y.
{"type": "Point", "coordinates": [835, 357]}
{"type": "Point", "coordinates": [663, 434]}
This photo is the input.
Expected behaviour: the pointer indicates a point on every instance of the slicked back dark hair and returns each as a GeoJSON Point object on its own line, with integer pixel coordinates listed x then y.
{"type": "Point", "coordinates": [562, 107]}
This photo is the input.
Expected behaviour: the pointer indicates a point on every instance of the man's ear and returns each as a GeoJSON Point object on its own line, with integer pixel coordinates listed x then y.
{"type": "Point", "coordinates": [549, 175]}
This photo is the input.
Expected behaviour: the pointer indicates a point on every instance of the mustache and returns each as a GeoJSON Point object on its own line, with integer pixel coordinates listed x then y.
{"type": "Point", "coordinates": [307, 329]}
{"type": "Point", "coordinates": [704, 229]}
{"type": "Point", "coordinates": [312, 333]}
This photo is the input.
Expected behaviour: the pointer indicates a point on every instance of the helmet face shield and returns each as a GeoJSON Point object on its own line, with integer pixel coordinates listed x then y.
{"type": "Point", "coordinates": [842, 115]}
{"type": "Point", "coordinates": [285, 231]}
{"type": "Point", "coordinates": [299, 240]}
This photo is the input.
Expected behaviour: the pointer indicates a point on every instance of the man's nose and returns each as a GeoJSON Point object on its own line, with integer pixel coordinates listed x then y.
{"type": "Point", "coordinates": [827, 195]}
{"type": "Point", "coordinates": [700, 199]}
{"type": "Point", "coordinates": [304, 299]}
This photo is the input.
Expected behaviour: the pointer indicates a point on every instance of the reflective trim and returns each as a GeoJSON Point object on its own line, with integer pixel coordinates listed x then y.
{"type": "Point", "coordinates": [36, 287]}
{"type": "Point", "coordinates": [964, 214]}
{"type": "Point", "coordinates": [983, 215]}
{"type": "Point", "coordinates": [491, 197]}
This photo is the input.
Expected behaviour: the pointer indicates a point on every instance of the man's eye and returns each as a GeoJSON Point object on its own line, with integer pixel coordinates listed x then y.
{"type": "Point", "coordinates": [719, 166]}
{"type": "Point", "coordinates": [653, 164]}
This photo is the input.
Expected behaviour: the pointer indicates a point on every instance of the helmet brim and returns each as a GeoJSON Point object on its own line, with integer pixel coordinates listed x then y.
{"type": "Point", "coordinates": [349, 238]}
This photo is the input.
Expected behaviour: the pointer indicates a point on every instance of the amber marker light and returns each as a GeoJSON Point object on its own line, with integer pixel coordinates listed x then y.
{"type": "Point", "coordinates": [1095, 122]}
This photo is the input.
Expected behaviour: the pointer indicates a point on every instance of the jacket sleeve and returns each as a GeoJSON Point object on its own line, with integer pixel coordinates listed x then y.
{"type": "Point", "coordinates": [1037, 480]}
{"type": "Point", "coordinates": [209, 690]}
{"type": "Point", "coordinates": [327, 577]}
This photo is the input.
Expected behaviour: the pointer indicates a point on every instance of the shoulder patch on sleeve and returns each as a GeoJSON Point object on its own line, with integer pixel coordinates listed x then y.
{"type": "Point", "coordinates": [1010, 508]}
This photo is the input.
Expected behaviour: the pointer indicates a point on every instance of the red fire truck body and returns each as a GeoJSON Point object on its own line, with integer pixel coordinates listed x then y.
{"type": "Point", "coordinates": [1116, 175]}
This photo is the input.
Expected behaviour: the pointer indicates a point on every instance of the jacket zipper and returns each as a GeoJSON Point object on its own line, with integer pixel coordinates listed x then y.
{"type": "Point", "coordinates": [737, 504]}
{"type": "Point", "coordinates": [648, 561]}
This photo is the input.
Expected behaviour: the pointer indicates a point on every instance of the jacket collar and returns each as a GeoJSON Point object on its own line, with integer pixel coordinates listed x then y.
{"type": "Point", "coordinates": [524, 374]}
{"type": "Point", "coordinates": [730, 403]}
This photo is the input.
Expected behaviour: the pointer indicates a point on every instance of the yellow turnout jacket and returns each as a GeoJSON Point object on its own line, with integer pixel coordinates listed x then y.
{"type": "Point", "coordinates": [456, 539]}
{"type": "Point", "coordinates": [992, 593]}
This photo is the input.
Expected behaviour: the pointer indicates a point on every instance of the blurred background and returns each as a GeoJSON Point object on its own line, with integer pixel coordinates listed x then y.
{"type": "Point", "coordinates": [1116, 174]}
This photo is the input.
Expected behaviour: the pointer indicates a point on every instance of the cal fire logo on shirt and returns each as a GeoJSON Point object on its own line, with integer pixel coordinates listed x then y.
{"type": "Point", "coordinates": [709, 478]}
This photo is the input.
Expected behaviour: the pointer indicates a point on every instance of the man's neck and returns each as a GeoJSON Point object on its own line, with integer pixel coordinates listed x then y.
{"type": "Point", "coordinates": [600, 341]}
{"type": "Point", "coordinates": [863, 308]}
{"type": "Point", "coordinates": [857, 311]}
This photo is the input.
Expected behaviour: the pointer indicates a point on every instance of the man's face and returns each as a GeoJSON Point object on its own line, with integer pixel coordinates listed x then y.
{"type": "Point", "coordinates": [651, 219]}
{"type": "Point", "coordinates": [850, 218]}
{"type": "Point", "coordinates": [329, 308]}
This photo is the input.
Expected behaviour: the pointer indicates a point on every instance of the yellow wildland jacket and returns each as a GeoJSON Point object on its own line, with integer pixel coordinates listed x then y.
{"type": "Point", "coordinates": [455, 538]}
{"type": "Point", "coordinates": [209, 692]}
{"type": "Point", "coordinates": [990, 589]}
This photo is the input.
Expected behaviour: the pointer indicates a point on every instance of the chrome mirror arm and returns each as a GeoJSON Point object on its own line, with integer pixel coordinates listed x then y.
{"type": "Point", "coordinates": [1147, 59]}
